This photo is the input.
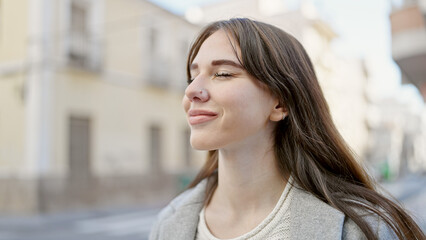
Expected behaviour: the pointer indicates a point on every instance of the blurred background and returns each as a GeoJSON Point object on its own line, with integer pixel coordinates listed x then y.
{"type": "Point", "coordinates": [93, 137]}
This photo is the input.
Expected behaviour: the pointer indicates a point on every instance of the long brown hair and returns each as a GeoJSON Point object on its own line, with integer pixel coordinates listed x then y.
{"type": "Point", "coordinates": [307, 143]}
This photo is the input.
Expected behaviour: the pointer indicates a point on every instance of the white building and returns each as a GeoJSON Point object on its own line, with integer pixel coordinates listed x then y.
{"type": "Point", "coordinates": [408, 21]}
{"type": "Point", "coordinates": [397, 144]}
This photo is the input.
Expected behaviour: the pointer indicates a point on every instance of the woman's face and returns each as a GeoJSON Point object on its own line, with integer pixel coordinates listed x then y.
{"type": "Point", "coordinates": [225, 106]}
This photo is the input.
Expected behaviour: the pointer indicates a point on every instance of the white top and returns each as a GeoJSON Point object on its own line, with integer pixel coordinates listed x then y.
{"type": "Point", "coordinates": [274, 227]}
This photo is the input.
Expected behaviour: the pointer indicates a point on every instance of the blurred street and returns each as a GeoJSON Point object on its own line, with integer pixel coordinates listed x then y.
{"type": "Point", "coordinates": [411, 192]}
{"type": "Point", "coordinates": [124, 224]}
{"type": "Point", "coordinates": [134, 223]}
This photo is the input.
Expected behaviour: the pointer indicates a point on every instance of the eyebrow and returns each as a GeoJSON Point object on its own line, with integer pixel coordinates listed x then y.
{"type": "Point", "coordinates": [218, 63]}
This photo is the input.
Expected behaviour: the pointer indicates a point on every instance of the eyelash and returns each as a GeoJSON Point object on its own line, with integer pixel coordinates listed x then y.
{"type": "Point", "coordinates": [219, 74]}
{"type": "Point", "coordinates": [223, 74]}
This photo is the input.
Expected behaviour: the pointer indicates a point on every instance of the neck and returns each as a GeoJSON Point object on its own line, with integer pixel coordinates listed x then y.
{"type": "Point", "coordinates": [249, 179]}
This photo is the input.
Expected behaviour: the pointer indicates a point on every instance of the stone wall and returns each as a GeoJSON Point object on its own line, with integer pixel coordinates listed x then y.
{"type": "Point", "coordinates": [50, 194]}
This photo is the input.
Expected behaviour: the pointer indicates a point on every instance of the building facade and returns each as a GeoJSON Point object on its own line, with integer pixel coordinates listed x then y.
{"type": "Point", "coordinates": [397, 143]}
{"type": "Point", "coordinates": [90, 104]}
{"type": "Point", "coordinates": [408, 26]}
{"type": "Point", "coordinates": [408, 21]}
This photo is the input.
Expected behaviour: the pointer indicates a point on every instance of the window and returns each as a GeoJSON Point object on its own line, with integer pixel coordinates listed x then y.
{"type": "Point", "coordinates": [155, 148]}
{"type": "Point", "coordinates": [158, 63]}
{"type": "Point", "coordinates": [153, 38]}
{"type": "Point", "coordinates": [79, 149]}
{"type": "Point", "coordinates": [79, 42]}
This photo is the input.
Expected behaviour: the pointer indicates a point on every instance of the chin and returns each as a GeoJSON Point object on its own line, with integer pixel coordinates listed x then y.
{"type": "Point", "coordinates": [202, 144]}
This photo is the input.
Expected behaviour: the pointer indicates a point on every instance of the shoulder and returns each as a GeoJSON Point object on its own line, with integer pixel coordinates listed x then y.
{"type": "Point", "coordinates": [312, 217]}
{"type": "Point", "coordinates": [181, 211]}
{"type": "Point", "coordinates": [190, 196]}
{"type": "Point", "coordinates": [351, 231]}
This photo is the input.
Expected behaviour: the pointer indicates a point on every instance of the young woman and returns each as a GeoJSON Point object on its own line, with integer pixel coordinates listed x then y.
{"type": "Point", "coordinates": [277, 167]}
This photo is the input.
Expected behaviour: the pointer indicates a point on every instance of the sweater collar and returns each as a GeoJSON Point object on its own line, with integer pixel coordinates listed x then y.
{"type": "Point", "coordinates": [309, 216]}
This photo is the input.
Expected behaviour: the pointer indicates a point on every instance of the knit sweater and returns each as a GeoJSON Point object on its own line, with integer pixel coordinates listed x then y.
{"type": "Point", "coordinates": [274, 227]}
{"type": "Point", "coordinates": [310, 218]}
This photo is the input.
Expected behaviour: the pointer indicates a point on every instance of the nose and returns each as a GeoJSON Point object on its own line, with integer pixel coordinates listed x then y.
{"type": "Point", "coordinates": [196, 92]}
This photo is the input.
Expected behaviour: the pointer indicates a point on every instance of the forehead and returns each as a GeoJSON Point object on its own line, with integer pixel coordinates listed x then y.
{"type": "Point", "coordinates": [218, 46]}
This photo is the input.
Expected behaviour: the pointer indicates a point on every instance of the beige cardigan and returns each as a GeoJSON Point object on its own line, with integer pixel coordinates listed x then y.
{"type": "Point", "coordinates": [310, 218]}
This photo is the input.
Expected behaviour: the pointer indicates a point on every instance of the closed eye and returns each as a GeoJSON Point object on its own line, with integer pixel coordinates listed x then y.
{"type": "Point", "coordinates": [217, 75]}
{"type": "Point", "coordinates": [223, 75]}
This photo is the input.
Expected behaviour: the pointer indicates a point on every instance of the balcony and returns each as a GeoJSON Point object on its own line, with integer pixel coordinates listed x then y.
{"type": "Point", "coordinates": [84, 52]}
{"type": "Point", "coordinates": [409, 44]}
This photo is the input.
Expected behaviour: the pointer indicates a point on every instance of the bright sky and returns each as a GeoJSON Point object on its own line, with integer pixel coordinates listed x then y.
{"type": "Point", "coordinates": [364, 32]}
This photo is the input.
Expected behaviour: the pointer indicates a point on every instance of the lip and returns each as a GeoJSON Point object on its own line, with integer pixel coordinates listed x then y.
{"type": "Point", "coordinates": [198, 116]}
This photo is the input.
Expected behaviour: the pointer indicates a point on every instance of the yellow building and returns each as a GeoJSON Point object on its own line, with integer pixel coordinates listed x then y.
{"type": "Point", "coordinates": [90, 104]}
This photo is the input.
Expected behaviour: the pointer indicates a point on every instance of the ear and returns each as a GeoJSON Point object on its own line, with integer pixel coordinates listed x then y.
{"type": "Point", "coordinates": [277, 112]}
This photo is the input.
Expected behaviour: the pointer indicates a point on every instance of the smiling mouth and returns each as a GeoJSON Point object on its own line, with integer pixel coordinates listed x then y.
{"type": "Point", "coordinates": [198, 119]}
{"type": "Point", "coordinates": [196, 116]}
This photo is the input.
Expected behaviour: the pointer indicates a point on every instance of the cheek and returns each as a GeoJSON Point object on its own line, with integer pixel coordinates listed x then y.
{"type": "Point", "coordinates": [247, 105]}
{"type": "Point", "coordinates": [237, 104]}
